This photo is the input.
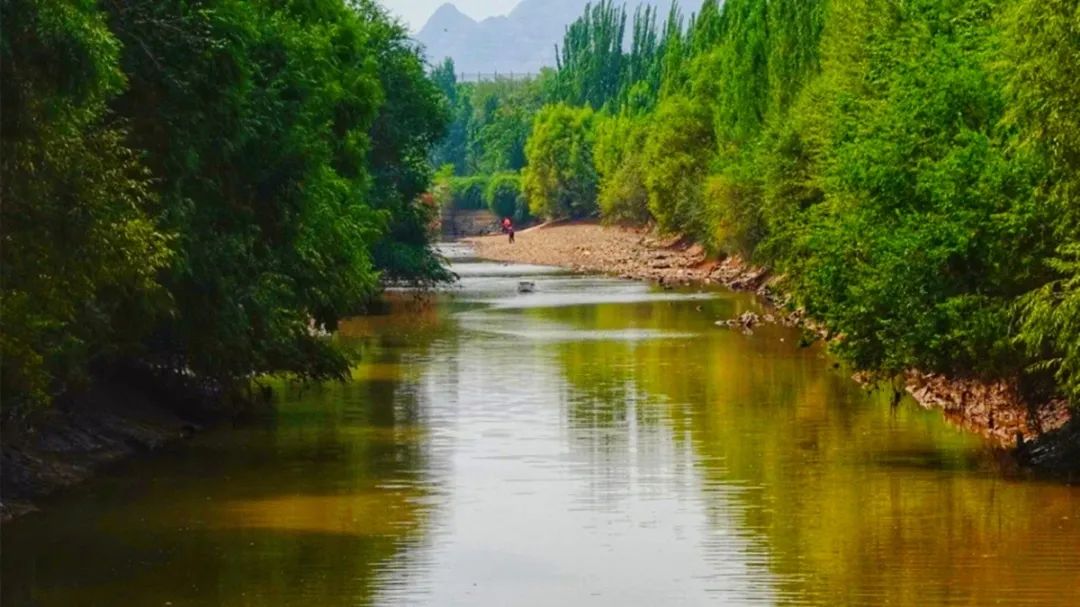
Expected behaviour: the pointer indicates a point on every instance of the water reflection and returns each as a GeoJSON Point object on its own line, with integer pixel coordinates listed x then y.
{"type": "Point", "coordinates": [595, 442]}
{"type": "Point", "coordinates": [312, 503]}
{"type": "Point", "coordinates": [841, 498]}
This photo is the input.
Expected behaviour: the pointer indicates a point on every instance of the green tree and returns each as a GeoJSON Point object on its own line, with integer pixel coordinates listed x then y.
{"type": "Point", "coordinates": [412, 118]}
{"type": "Point", "coordinates": [676, 162]}
{"type": "Point", "coordinates": [591, 61]}
{"type": "Point", "coordinates": [926, 233]}
{"type": "Point", "coordinates": [501, 124]}
{"type": "Point", "coordinates": [621, 168]}
{"type": "Point", "coordinates": [1043, 49]}
{"type": "Point", "coordinates": [560, 179]}
{"type": "Point", "coordinates": [291, 144]}
{"type": "Point", "coordinates": [453, 149]}
{"type": "Point", "coordinates": [81, 251]}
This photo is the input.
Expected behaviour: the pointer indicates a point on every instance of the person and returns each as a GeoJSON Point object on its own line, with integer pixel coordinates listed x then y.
{"type": "Point", "coordinates": [510, 230]}
{"type": "Point", "coordinates": [506, 225]}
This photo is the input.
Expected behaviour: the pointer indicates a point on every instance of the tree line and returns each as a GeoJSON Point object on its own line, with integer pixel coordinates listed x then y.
{"type": "Point", "coordinates": [202, 185]}
{"type": "Point", "coordinates": [911, 170]}
{"type": "Point", "coordinates": [480, 160]}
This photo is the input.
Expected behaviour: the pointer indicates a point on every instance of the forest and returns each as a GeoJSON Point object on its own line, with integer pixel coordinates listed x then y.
{"type": "Point", "coordinates": [203, 187]}
{"type": "Point", "coordinates": [911, 170]}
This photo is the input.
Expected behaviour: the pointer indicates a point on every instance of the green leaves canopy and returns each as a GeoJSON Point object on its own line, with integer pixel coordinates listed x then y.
{"type": "Point", "coordinates": [910, 168]}
{"type": "Point", "coordinates": [193, 183]}
{"type": "Point", "coordinates": [560, 179]}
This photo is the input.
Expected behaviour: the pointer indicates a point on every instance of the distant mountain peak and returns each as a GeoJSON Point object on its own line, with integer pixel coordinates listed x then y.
{"type": "Point", "coordinates": [448, 11]}
{"type": "Point", "coordinates": [447, 21]}
{"type": "Point", "coordinates": [520, 42]}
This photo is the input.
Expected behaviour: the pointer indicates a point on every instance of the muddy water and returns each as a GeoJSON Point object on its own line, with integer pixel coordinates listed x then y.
{"type": "Point", "coordinates": [595, 442]}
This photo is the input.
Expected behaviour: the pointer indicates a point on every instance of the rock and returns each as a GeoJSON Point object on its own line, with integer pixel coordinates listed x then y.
{"type": "Point", "coordinates": [746, 321]}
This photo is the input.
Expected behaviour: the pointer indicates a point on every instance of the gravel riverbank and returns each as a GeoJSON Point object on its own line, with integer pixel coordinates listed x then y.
{"type": "Point", "coordinates": [625, 252]}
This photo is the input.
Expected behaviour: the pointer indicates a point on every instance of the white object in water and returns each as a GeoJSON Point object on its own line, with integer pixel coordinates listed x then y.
{"type": "Point", "coordinates": [526, 287]}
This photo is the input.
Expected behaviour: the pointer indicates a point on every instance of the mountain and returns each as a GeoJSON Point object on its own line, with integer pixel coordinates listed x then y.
{"type": "Point", "coordinates": [522, 42]}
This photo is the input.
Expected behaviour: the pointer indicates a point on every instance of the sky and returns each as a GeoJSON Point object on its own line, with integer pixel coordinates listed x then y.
{"type": "Point", "coordinates": [416, 12]}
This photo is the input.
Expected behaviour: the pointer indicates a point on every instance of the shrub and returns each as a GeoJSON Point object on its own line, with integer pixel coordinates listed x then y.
{"type": "Point", "coordinates": [468, 193]}
{"type": "Point", "coordinates": [503, 194]}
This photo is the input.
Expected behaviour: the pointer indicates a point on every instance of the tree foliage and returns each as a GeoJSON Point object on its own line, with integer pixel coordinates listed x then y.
{"type": "Point", "coordinates": [910, 168]}
{"type": "Point", "coordinates": [676, 160]}
{"type": "Point", "coordinates": [80, 245]}
{"type": "Point", "coordinates": [560, 179]}
{"type": "Point", "coordinates": [1043, 75]}
{"type": "Point", "coordinates": [504, 197]}
{"type": "Point", "coordinates": [491, 121]}
{"type": "Point", "coordinates": [619, 155]}
{"type": "Point", "coordinates": [193, 183]}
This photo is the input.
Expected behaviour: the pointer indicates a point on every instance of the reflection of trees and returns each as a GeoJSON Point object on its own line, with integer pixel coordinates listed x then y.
{"type": "Point", "coordinates": [312, 505]}
{"type": "Point", "coordinates": [853, 501]}
{"type": "Point", "coordinates": [606, 373]}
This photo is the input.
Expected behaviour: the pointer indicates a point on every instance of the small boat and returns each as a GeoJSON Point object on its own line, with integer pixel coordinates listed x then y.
{"type": "Point", "coordinates": [526, 287]}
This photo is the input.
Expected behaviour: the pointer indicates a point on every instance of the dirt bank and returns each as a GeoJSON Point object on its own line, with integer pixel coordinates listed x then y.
{"type": "Point", "coordinates": [82, 433]}
{"type": "Point", "coordinates": [994, 410]}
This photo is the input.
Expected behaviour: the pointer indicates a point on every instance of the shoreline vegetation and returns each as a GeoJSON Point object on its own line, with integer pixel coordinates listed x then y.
{"type": "Point", "coordinates": [1041, 436]}
{"type": "Point", "coordinates": [207, 189]}
{"type": "Point", "coordinates": [911, 171]}
{"type": "Point", "coordinates": [199, 188]}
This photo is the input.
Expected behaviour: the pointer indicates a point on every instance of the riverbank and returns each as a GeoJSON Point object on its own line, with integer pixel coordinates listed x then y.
{"type": "Point", "coordinates": [993, 409]}
{"type": "Point", "coordinates": [82, 434]}
{"type": "Point", "coordinates": [632, 253]}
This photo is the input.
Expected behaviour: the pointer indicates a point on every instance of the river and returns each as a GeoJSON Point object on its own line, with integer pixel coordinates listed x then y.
{"type": "Point", "coordinates": [595, 442]}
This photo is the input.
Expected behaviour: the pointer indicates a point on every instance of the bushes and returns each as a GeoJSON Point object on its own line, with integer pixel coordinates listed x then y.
{"type": "Point", "coordinates": [1051, 323]}
{"type": "Point", "coordinates": [469, 193]}
{"type": "Point", "coordinates": [504, 197]}
{"type": "Point", "coordinates": [499, 193]}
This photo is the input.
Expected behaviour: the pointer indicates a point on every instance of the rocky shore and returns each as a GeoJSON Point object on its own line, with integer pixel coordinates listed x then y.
{"type": "Point", "coordinates": [994, 410]}
{"type": "Point", "coordinates": [82, 433]}
{"type": "Point", "coordinates": [632, 253]}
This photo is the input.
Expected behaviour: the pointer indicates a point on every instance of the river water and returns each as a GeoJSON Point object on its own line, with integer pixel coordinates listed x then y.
{"type": "Point", "coordinates": [595, 442]}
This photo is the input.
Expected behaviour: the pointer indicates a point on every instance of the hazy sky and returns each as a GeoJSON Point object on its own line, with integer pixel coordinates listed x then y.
{"type": "Point", "coordinates": [416, 12]}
